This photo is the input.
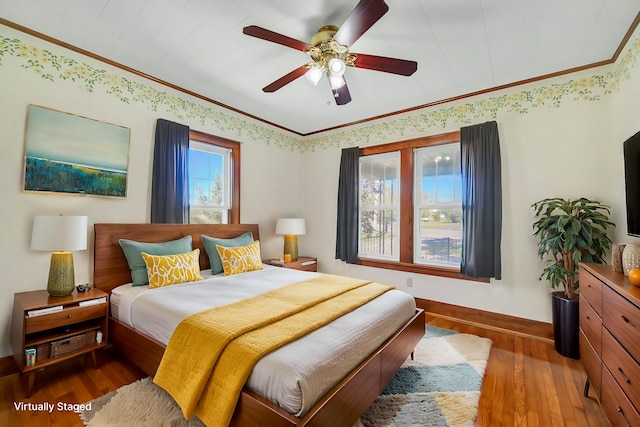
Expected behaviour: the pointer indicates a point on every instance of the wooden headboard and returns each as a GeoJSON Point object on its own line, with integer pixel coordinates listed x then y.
{"type": "Point", "coordinates": [110, 268]}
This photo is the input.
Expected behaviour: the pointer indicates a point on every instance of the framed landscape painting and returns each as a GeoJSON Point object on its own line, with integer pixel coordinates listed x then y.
{"type": "Point", "coordinates": [71, 154]}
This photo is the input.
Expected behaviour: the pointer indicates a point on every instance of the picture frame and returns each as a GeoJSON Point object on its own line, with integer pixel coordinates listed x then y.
{"type": "Point", "coordinates": [70, 154]}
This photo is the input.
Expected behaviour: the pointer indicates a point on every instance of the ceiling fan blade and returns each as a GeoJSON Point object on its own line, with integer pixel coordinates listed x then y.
{"type": "Point", "coordinates": [286, 79]}
{"type": "Point", "coordinates": [366, 13]}
{"type": "Point", "coordinates": [385, 64]}
{"type": "Point", "coordinates": [342, 95]}
{"type": "Point", "coordinates": [263, 33]}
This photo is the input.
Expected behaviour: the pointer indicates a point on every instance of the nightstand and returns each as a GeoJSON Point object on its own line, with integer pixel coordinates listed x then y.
{"type": "Point", "coordinates": [305, 263]}
{"type": "Point", "coordinates": [46, 330]}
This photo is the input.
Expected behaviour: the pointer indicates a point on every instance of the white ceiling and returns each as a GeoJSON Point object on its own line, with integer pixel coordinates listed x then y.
{"type": "Point", "coordinates": [461, 46]}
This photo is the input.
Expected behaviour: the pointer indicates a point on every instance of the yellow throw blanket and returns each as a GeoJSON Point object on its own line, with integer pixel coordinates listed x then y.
{"type": "Point", "coordinates": [211, 354]}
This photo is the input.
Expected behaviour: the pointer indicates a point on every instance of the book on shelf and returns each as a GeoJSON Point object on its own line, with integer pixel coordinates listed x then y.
{"type": "Point", "coordinates": [92, 301]}
{"type": "Point", "coordinates": [46, 310]}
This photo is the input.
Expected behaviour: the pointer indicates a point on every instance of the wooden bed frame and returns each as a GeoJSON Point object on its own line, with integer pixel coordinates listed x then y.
{"type": "Point", "coordinates": [342, 406]}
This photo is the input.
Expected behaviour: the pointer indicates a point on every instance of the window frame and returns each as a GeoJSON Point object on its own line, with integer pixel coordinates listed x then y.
{"type": "Point", "coordinates": [393, 206]}
{"type": "Point", "coordinates": [233, 213]}
{"type": "Point", "coordinates": [406, 261]}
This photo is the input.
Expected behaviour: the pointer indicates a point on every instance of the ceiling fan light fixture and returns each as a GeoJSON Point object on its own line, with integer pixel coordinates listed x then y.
{"type": "Point", "coordinates": [336, 67]}
{"type": "Point", "coordinates": [336, 82]}
{"type": "Point", "coordinates": [314, 75]}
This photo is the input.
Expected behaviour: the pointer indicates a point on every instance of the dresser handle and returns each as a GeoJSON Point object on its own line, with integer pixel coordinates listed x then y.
{"type": "Point", "coordinates": [626, 320]}
{"type": "Point", "coordinates": [626, 378]}
{"type": "Point", "coordinates": [621, 412]}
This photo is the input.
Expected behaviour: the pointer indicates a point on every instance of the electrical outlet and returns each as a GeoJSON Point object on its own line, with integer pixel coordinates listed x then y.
{"type": "Point", "coordinates": [409, 282]}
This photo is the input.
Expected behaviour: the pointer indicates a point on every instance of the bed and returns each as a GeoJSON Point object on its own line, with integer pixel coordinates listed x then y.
{"type": "Point", "coordinates": [341, 405]}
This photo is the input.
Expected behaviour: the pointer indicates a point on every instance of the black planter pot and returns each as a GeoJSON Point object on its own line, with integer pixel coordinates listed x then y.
{"type": "Point", "coordinates": [566, 321]}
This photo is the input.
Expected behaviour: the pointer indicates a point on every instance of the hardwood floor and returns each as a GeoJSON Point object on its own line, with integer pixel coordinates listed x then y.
{"type": "Point", "coordinates": [73, 381]}
{"type": "Point", "coordinates": [526, 384]}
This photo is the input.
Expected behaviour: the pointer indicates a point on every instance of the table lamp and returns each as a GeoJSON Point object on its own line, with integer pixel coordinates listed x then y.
{"type": "Point", "coordinates": [291, 228]}
{"type": "Point", "coordinates": [59, 235]}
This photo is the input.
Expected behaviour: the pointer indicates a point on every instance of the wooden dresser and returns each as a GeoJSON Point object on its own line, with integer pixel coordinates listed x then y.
{"type": "Point", "coordinates": [610, 341]}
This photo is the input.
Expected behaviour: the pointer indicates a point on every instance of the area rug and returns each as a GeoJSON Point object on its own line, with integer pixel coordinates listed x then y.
{"type": "Point", "coordinates": [439, 388]}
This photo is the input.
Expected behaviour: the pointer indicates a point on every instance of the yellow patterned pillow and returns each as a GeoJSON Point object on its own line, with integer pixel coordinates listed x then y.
{"type": "Point", "coordinates": [165, 270]}
{"type": "Point", "coordinates": [240, 259]}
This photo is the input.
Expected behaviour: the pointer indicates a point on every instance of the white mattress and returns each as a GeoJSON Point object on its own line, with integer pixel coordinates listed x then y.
{"type": "Point", "coordinates": [294, 376]}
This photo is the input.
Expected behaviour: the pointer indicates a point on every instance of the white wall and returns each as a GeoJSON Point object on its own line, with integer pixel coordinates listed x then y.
{"type": "Point", "coordinates": [569, 150]}
{"type": "Point", "coordinates": [281, 177]}
{"type": "Point", "coordinates": [534, 151]}
{"type": "Point", "coordinates": [267, 188]}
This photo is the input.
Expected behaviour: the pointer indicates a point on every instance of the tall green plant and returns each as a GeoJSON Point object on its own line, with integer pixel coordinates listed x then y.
{"type": "Point", "coordinates": [570, 231]}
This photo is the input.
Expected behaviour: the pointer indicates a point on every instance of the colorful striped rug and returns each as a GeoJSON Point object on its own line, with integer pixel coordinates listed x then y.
{"type": "Point", "coordinates": [439, 388]}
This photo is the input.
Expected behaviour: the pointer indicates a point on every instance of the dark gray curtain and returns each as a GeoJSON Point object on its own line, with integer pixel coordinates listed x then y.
{"type": "Point", "coordinates": [481, 201]}
{"type": "Point", "coordinates": [348, 199]}
{"type": "Point", "coordinates": [170, 184]}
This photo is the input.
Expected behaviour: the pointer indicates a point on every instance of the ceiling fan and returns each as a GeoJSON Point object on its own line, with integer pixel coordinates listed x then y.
{"type": "Point", "coordinates": [329, 49]}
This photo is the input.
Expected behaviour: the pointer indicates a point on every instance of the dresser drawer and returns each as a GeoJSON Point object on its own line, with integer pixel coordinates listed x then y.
{"type": "Point", "coordinates": [591, 324]}
{"type": "Point", "coordinates": [623, 368]}
{"type": "Point", "coordinates": [617, 407]}
{"type": "Point", "coordinates": [622, 319]}
{"type": "Point", "coordinates": [591, 290]}
{"type": "Point", "coordinates": [592, 364]}
{"type": "Point", "coordinates": [63, 318]}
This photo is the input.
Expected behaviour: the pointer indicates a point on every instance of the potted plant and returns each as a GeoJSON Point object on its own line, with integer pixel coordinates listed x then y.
{"type": "Point", "coordinates": [570, 231]}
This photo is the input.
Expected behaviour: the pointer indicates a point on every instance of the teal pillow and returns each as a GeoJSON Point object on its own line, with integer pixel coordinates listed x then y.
{"type": "Point", "coordinates": [132, 251]}
{"type": "Point", "coordinates": [214, 257]}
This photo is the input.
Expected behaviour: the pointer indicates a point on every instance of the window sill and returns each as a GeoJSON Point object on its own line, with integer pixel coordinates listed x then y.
{"type": "Point", "coordinates": [417, 268]}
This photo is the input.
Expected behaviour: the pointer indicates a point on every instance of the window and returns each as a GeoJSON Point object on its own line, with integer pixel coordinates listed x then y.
{"type": "Point", "coordinates": [438, 206]}
{"type": "Point", "coordinates": [214, 185]}
{"type": "Point", "coordinates": [380, 206]}
{"type": "Point", "coordinates": [410, 214]}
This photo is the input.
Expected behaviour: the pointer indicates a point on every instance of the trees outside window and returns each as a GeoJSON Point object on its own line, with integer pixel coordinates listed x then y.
{"type": "Point", "coordinates": [214, 186]}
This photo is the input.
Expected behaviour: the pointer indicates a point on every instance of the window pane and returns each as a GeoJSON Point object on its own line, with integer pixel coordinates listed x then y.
{"type": "Point", "coordinates": [379, 180]}
{"type": "Point", "coordinates": [208, 216]}
{"type": "Point", "coordinates": [209, 183]}
{"type": "Point", "coordinates": [438, 206]}
{"type": "Point", "coordinates": [379, 233]}
{"type": "Point", "coordinates": [379, 206]}
{"type": "Point", "coordinates": [200, 193]}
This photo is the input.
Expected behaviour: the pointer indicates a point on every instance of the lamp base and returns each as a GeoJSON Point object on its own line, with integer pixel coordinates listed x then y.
{"type": "Point", "coordinates": [291, 246]}
{"type": "Point", "coordinates": [61, 277]}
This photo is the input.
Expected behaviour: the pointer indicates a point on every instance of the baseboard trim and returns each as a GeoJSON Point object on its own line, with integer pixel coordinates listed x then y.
{"type": "Point", "coordinates": [500, 322]}
{"type": "Point", "coordinates": [7, 366]}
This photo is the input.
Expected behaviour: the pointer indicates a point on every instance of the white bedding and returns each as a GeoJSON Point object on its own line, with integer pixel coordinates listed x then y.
{"type": "Point", "coordinates": [294, 376]}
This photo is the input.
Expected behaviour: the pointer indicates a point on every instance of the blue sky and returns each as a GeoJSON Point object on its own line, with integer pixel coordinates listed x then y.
{"type": "Point", "coordinates": [203, 167]}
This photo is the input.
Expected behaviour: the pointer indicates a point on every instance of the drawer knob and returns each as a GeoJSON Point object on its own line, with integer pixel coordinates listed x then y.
{"type": "Point", "coordinates": [626, 378]}
{"type": "Point", "coordinates": [68, 316]}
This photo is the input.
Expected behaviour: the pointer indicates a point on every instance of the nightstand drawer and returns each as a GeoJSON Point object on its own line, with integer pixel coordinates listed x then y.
{"type": "Point", "coordinates": [307, 266]}
{"type": "Point", "coordinates": [64, 317]}
{"type": "Point", "coordinates": [304, 263]}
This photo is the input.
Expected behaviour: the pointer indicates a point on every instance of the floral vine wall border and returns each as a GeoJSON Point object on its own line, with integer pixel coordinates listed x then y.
{"type": "Point", "coordinates": [52, 67]}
